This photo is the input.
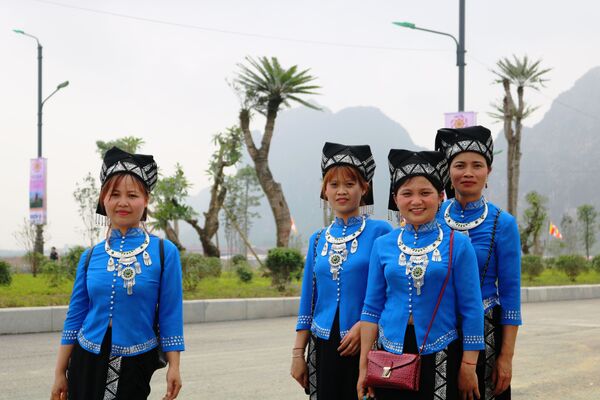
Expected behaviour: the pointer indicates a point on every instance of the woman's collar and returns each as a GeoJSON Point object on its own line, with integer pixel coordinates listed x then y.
{"type": "Point", "coordinates": [424, 228]}
{"type": "Point", "coordinates": [357, 219]}
{"type": "Point", "coordinates": [131, 232]}
{"type": "Point", "coordinates": [473, 205]}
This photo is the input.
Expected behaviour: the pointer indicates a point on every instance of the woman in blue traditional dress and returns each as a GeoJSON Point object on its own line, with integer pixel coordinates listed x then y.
{"type": "Point", "coordinates": [495, 237]}
{"type": "Point", "coordinates": [335, 277]}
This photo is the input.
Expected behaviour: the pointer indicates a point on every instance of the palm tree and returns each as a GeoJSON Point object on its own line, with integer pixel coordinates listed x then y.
{"type": "Point", "coordinates": [521, 73]}
{"type": "Point", "coordinates": [264, 86]}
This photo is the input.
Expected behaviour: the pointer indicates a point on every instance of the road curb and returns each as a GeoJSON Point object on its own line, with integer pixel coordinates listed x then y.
{"type": "Point", "coordinates": [50, 319]}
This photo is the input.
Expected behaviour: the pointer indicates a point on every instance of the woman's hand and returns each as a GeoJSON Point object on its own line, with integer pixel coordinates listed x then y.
{"type": "Point", "coordinates": [350, 344]}
{"type": "Point", "coordinates": [467, 382]}
{"type": "Point", "coordinates": [173, 382]}
{"type": "Point", "coordinates": [299, 371]}
{"type": "Point", "coordinates": [60, 387]}
{"type": "Point", "coordinates": [502, 373]}
{"type": "Point", "coordinates": [361, 390]}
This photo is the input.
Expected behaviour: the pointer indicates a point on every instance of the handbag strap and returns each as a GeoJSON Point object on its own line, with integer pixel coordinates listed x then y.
{"type": "Point", "coordinates": [314, 276]}
{"type": "Point", "coordinates": [161, 251]}
{"type": "Point", "coordinates": [489, 256]}
{"type": "Point", "coordinates": [439, 300]}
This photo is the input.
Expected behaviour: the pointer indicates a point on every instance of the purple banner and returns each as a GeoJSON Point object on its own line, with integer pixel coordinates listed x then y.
{"type": "Point", "coordinates": [37, 191]}
{"type": "Point", "coordinates": [461, 119]}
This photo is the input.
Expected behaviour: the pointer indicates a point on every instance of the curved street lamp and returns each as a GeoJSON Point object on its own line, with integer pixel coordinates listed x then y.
{"type": "Point", "coordinates": [39, 238]}
{"type": "Point", "coordinates": [460, 49]}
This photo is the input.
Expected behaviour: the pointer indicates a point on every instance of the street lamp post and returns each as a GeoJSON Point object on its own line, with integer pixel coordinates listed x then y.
{"type": "Point", "coordinates": [39, 237]}
{"type": "Point", "coordinates": [460, 50]}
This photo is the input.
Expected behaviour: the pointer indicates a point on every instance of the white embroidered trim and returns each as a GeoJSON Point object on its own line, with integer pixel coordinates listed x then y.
{"type": "Point", "coordinates": [304, 319]}
{"type": "Point", "coordinates": [171, 341]}
{"type": "Point", "coordinates": [511, 314]}
{"type": "Point", "coordinates": [69, 335]}
{"type": "Point", "coordinates": [490, 302]}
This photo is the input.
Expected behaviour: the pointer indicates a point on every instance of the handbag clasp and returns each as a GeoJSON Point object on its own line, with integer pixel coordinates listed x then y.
{"type": "Point", "coordinates": [387, 372]}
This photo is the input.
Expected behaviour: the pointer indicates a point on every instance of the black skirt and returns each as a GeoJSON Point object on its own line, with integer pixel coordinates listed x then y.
{"type": "Point", "coordinates": [105, 377]}
{"type": "Point", "coordinates": [487, 358]}
{"type": "Point", "coordinates": [439, 373]}
{"type": "Point", "coordinates": [337, 375]}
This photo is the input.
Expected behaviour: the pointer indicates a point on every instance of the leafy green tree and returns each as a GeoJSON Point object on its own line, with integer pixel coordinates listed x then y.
{"type": "Point", "coordinates": [587, 214]}
{"type": "Point", "coordinates": [520, 73]}
{"type": "Point", "coordinates": [228, 153]}
{"type": "Point", "coordinates": [534, 218]}
{"type": "Point", "coordinates": [572, 265]}
{"type": "Point", "coordinates": [282, 263]}
{"type": "Point", "coordinates": [532, 266]}
{"type": "Point", "coordinates": [168, 205]}
{"type": "Point", "coordinates": [86, 196]}
{"type": "Point", "coordinates": [243, 195]}
{"type": "Point", "coordinates": [129, 144]}
{"type": "Point", "coordinates": [264, 86]}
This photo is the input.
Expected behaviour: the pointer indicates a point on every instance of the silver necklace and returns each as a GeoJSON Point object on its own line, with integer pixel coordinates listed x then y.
{"type": "Point", "coordinates": [464, 227]}
{"type": "Point", "coordinates": [338, 252]}
{"type": "Point", "coordinates": [126, 262]}
{"type": "Point", "coordinates": [416, 265]}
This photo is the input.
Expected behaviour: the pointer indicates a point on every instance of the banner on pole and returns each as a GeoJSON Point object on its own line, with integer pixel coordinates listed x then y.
{"type": "Point", "coordinates": [460, 119]}
{"type": "Point", "coordinates": [37, 191]}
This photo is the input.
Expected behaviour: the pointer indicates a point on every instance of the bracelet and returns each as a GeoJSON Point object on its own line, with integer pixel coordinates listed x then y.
{"type": "Point", "coordinates": [298, 348]}
{"type": "Point", "coordinates": [468, 363]}
{"type": "Point", "coordinates": [298, 356]}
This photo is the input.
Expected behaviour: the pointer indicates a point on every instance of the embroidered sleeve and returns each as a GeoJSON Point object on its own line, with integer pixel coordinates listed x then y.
{"type": "Point", "coordinates": [306, 298]}
{"type": "Point", "coordinates": [465, 274]}
{"type": "Point", "coordinates": [171, 302]}
{"type": "Point", "coordinates": [509, 272]}
{"type": "Point", "coordinates": [78, 305]}
{"type": "Point", "coordinates": [376, 285]}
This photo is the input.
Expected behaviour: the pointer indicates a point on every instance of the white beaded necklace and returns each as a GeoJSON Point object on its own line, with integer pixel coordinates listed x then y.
{"type": "Point", "coordinates": [124, 261]}
{"type": "Point", "coordinates": [416, 266]}
{"type": "Point", "coordinates": [464, 227]}
{"type": "Point", "coordinates": [338, 253]}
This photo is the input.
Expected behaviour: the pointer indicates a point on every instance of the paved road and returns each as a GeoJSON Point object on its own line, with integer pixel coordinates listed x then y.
{"type": "Point", "coordinates": [558, 357]}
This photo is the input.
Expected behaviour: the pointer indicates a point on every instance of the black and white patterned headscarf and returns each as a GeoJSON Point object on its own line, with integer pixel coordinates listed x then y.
{"type": "Point", "coordinates": [140, 166]}
{"type": "Point", "coordinates": [359, 157]}
{"type": "Point", "coordinates": [477, 139]}
{"type": "Point", "coordinates": [405, 164]}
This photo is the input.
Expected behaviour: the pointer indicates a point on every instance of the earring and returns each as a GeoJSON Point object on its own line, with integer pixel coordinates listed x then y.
{"type": "Point", "coordinates": [452, 186]}
{"type": "Point", "coordinates": [486, 185]}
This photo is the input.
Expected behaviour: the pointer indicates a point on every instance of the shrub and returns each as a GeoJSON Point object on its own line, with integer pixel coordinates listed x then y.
{"type": "Point", "coordinates": [550, 262]}
{"type": "Point", "coordinates": [70, 260]}
{"type": "Point", "coordinates": [196, 267]}
{"type": "Point", "coordinates": [596, 263]}
{"type": "Point", "coordinates": [238, 258]}
{"type": "Point", "coordinates": [244, 272]}
{"type": "Point", "coordinates": [282, 263]}
{"type": "Point", "coordinates": [532, 266]}
{"type": "Point", "coordinates": [572, 265]}
{"type": "Point", "coordinates": [54, 273]}
{"type": "Point", "coordinates": [5, 273]}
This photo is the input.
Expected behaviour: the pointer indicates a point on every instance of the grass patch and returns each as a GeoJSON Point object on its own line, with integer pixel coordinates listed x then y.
{"type": "Point", "coordinates": [554, 277]}
{"type": "Point", "coordinates": [27, 291]}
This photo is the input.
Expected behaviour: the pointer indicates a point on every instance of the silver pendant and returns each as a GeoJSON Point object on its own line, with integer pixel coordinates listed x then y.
{"type": "Point", "coordinates": [138, 267]}
{"type": "Point", "coordinates": [418, 275]}
{"type": "Point", "coordinates": [110, 267]}
{"type": "Point", "coordinates": [402, 259]}
{"type": "Point", "coordinates": [128, 274]}
{"type": "Point", "coordinates": [324, 251]}
{"type": "Point", "coordinates": [354, 246]}
{"type": "Point", "coordinates": [436, 256]}
{"type": "Point", "coordinates": [147, 259]}
{"type": "Point", "coordinates": [334, 273]}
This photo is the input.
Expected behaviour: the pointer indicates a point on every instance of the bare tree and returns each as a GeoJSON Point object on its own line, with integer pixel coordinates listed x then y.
{"type": "Point", "coordinates": [26, 239]}
{"type": "Point", "coordinates": [86, 196]}
{"type": "Point", "coordinates": [521, 73]}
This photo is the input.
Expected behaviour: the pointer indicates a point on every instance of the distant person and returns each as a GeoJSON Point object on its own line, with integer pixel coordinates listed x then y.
{"type": "Point", "coordinates": [335, 276]}
{"type": "Point", "coordinates": [495, 237]}
{"type": "Point", "coordinates": [53, 254]}
{"type": "Point", "coordinates": [423, 294]}
{"type": "Point", "coordinates": [109, 347]}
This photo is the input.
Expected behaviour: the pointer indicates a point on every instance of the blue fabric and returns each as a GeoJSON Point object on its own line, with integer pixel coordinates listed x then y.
{"type": "Point", "coordinates": [348, 292]}
{"type": "Point", "coordinates": [502, 282]}
{"type": "Point", "coordinates": [99, 296]}
{"type": "Point", "coordinates": [391, 295]}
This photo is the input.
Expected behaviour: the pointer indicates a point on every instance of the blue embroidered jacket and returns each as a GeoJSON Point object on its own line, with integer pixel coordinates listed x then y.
{"type": "Point", "coordinates": [391, 297]}
{"type": "Point", "coordinates": [348, 292]}
{"type": "Point", "coordinates": [99, 296]}
{"type": "Point", "coordinates": [502, 281]}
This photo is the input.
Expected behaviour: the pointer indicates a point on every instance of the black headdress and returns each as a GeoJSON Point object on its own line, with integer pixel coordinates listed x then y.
{"type": "Point", "coordinates": [406, 164]}
{"type": "Point", "coordinates": [359, 157]}
{"type": "Point", "coordinates": [477, 139]}
{"type": "Point", "coordinates": [141, 166]}
{"type": "Point", "coordinates": [451, 142]}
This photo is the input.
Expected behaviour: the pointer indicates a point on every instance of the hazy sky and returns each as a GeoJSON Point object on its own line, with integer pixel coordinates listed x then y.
{"type": "Point", "coordinates": [165, 80]}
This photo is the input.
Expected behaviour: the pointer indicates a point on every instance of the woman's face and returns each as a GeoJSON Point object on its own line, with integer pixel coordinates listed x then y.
{"type": "Point", "coordinates": [469, 173]}
{"type": "Point", "coordinates": [125, 203]}
{"type": "Point", "coordinates": [344, 195]}
{"type": "Point", "coordinates": [418, 200]}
